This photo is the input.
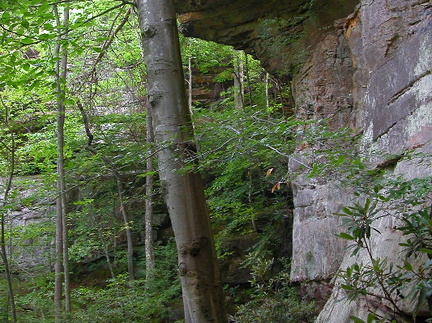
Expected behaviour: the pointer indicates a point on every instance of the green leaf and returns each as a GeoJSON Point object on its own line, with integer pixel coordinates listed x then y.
{"type": "Point", "coordinates": [347, 287]}
{"type": "Point", "coordinates": [376, 265]}
{"type": "Point", "coordinates": [367, 204]}
{"type": "Point", "coordinates": [426, 250]}
{"type": "Point", "coordinates": [5, 17]}
{"type": "Point", "coordinates": [84, 202]}
{"type": "Point", "coordinates": [371, 317]}
{"type": "Point", "coordinates": [358, 233]}
{"type": "Point", "coordinates": [27, 41]}
{"type": "Point", "coordinates": [25, 23]}
{"type": "Point", "coordinates": [355, 319]}
{"type": "Point", "coordinates": [44, 37]}
{"type": "Point", "coordinates": [48, 26]}
{"type": "Point", "coordinates": [345, 235]}
{"type": "Point", "coordinates": [69, 101]}
{"type": "Point", "coordinates": [407, 266]}
{"type": "Point", "coordinates": [347, 211]}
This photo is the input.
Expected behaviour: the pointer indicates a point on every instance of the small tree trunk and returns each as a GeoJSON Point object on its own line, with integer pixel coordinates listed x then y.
{"type": "Point", "coordinates": [3, 251]}
{"type": "Point", "coordinates": [106, 253]}
{"type": "Point", "coordinates": [148, 217]}
{"type": "Point", "coordinates": [190, 84]}
{"type": "Point", "coordinates": [267, 92]}
{"type": "Point", "coordinates": [184, 193]}
{"type": "Point", "coordinates": [130, 263]}
{"type": "Point", "coordinates": [58, 267]}
{"type": "Point", "coordinates": [5, 259]}
{"type": "Point", "coordinates": [248, 79]}
{"type": "Point", "coordinates": [62, 257]}
{"type": "Point", "coordinates": [238, 81]}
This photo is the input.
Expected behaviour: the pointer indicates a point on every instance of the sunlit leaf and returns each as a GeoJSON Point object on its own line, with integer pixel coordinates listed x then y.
{"type": "Point", "coordinates": [276, 187]}
{"type": "Point", "coordinates": [269, 171]}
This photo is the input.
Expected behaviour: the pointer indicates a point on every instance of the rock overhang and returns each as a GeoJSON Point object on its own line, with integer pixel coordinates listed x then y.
{"type": "Point", "coordinates": [280, 33]}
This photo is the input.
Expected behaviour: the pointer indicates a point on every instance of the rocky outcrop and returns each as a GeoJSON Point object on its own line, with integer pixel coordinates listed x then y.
{"type": "Point", "coordinates": [391, 52]}
{"type": "Point", "coordinates": [280, 33]}
{"type": "Point", "coordinates": [30, 215]}
{"type": "Point", "coordinates": [367, 68]}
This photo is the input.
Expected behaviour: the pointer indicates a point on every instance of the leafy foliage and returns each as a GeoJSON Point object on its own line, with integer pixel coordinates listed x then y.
{"type": "Point", "coordinates": [118, 301]}
{"type": "Point", "coordinates": [378, 278]}
{"type": "Point", "coordinates": [236, 150]}
{"type": "Point", "coordinates": [274, 299]}
{"type": "Point", "coordinates": [123, 301]}
{"type": "Point", "coordinates": [206, 55]}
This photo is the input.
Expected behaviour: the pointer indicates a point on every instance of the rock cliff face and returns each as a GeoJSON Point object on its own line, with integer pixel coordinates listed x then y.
{"type": "Point", "coordinates": [372, 74]}
{"type": "Point", "coordinates": [367, 68]}
{"type": "Point", "coordinates": [278, 32]}
{"type": "Point", "coordinates": [35, 249]}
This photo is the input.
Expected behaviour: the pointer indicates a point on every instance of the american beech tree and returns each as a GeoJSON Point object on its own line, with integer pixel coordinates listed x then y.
{"type": "Point", "coordinates": [62, 256]}
{"type": "Point", "coordinates": [184, 194]}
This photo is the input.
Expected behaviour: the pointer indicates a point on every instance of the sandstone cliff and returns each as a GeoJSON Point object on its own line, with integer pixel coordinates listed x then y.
{"type": "Point", "coordinates": [364, 65]}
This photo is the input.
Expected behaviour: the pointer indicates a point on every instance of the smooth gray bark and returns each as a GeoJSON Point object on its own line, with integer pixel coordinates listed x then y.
{"type": "Point", "coordinates": [184, 193]}
{"type": "Point", "coordinates": [62, 256]}
{"type": "Point", "coordinates": [58, 266]}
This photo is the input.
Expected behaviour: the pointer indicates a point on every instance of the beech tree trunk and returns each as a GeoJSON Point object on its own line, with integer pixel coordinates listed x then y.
{"type": "Point", "coordinates": [58, 266]}
{"type": "Point", "coordinates": [184, 193]}
{"type": "Point", "coordinates": [62, 256]}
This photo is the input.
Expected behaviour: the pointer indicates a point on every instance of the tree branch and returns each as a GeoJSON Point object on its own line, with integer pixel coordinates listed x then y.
{"type": "Point", "coordinates": [107, 43]}
{"type": "Point", "coordinates": [86, 124]}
